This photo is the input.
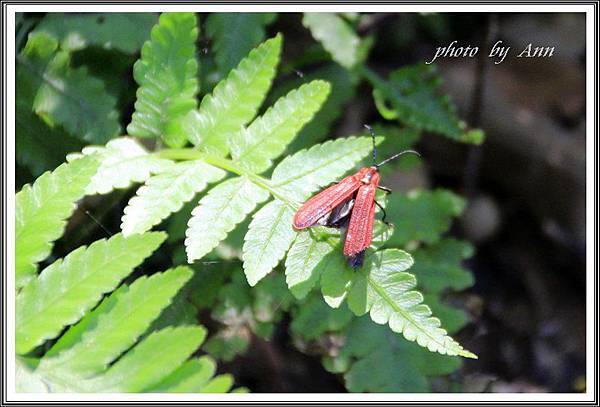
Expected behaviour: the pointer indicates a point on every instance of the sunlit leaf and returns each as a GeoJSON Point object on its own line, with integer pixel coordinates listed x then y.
{"type": "Point", "coordinates": [269, 237]}
{"type": "Point", "coordinates": [218, 212]}
{"type": "Point", "coordinates": [41, 213]}
{"type": "Point", "coordinates": [386, 291]}
{"type": "Point", "coordinates": [235, 100]}
{"type": "Point", "coordinates": [301, 261]}
{"type": "Point", "coordinates": [69, 287]}
{"type": "Point", "coordinates": [166, 193]}
{"type": "Point", "coordinates": [167, 75]}
{"type": "Point", "coordinates": [265, 139]}
{"type": "Point", "coordinates": [335, 34]}
{"type": "Point", "coordinates": [123, 162]}
{"type": "Point", "coordinates": [116, 326]}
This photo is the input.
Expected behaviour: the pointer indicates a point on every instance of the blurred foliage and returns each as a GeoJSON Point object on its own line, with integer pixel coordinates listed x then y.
{"type": "Point", "coordinates": [235, 34]}
{"type": "Point", "coordinates": [75, 87]}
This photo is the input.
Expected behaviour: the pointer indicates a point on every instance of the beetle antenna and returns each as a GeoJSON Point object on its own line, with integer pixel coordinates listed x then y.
{"type": "Point", "coordinates": [396, 156]}
{"type": "Point", "coordinates": [372, 138]}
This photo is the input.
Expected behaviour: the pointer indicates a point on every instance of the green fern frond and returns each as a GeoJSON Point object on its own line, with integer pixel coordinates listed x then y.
{"type": "Point", "coordinates": [217, 213]}
{"type": "Point", "coordinates": [307, 171]}
{"type": "Point", "coordinates": [42, 210]}
{"type": "Point", "coordinates": [64, 95]}
{"type": "Point", "coordinates": [343, 87]}
{"type": "Point", "coordinates": [438, 266]}
{"type": "Point", "coordinates": [313, 318]}
{"type": "Point", "coordinates": [371, 355]}
{"type": "Point", "coordinates": [235, 34]}
{"type": "Point", "coordinates": [336, 36]}
{"type": "Point", "coordinates": [386, 291]}
{"type": "Point", "coordinates": [412, 93]}
{"type": "Point", "coordinates": [166, 193]}
{"type": "Point", "coordinates": [269, 236]}
{"type": "Point", "coordinates": [125, 32]}
{"type": "Point", "coordinates": [123, 162]}
{"type": "Point", "coordinates": [235, 100]}
{"type": "Point", "coordinates": [336, 277]}
{"type": "Point", "coordinates": [151, 360]}
{"type": "Point", "coordinates": [166, 74]}
{"type": "Point", "coordinates": [265, 139]}
{"type": "Point", "coordinates": [69, 287]}
{"type": "Point", "coordinates": [301, 263]}
{"type": "Point", "coordinates": [190, 377]}
{"type": "Point", "coordinates": [423, 215]}
{"type": "Point", "coordinates": [220, 384]}
{"type": "Point", "coordinates": [112, 329]}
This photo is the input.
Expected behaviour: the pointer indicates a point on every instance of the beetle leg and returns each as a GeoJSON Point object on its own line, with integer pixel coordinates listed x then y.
{"type": "Point", "coordinates": [384, 213]}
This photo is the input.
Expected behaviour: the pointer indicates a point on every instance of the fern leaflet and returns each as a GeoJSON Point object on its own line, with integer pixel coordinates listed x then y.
{"type": "Point", "coordinates": [42, 210]}
{"type": "Point", "coordinates": [69, 287]}
{"type": "Point", "coordinates": [166, 74]}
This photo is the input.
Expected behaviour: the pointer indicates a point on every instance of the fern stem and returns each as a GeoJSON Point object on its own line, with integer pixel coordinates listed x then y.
{"type": "Point", "coordinates": [188, 154]}
{"type": "Point", "coordinates": [263, 183]}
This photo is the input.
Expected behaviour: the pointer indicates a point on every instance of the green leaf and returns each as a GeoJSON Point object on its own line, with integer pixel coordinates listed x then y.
{"type": "Point", "coordinates": [412, 93]}
{"type": "Point", "coordinates": [141, 369]}
{"type": "Point", "coordinates": [124, 161]}
{"type": "Point", "coordinates": [380, 361]}
{"type": "Point", "coordinates": [191, 377]}
{"type": "Point", "coordinates": [235, 100]}
{"type": "Point", "coordinates": [422, 215]}
{"type": "Point", "coordinates": [217, 213]}
{"type": "Point", "coordinates": [438, 266]}
{"type": "Point", "coordinates": [69, 287]}
{"type": "Point", "coordinates": [244, 310]}
{"type": "Point", "coordinates": [301, 263]}
{"type": "Point", "coordinates": [314, 318]}
{"type": "Point", "coordinates": [228, 343]}
{"type": "Point", "coordinates": [115, 328]}
{"type": "Point", "coordinates": [166, 193]}
{"type": "Point", "coordinates": [38, 146]}
{"type": "Point", "coordinates": [386, 290]}
{"type": "Point", "coordinates": [125, 32]}
{"type": "Point", "coordinates": [454, 318]}
{"type": "Point", "coordinates": [74, 333]}
{"type": "Point", "coordinates": [305, 172]}
{"type": "Point", "coordinates": [220, 384]}
{"type": "Point", "coordinates": [336, 36]}
{"type": "Point", "coordinates": [235, 34]}
{"type": "Point", "coordinates": [336, 277]}
{"type": "Point", "coordinates": [265, 139]}
{"type": "Point", "coordinates": [42, 210]}
{"type": "Point", "coordinates": [167, 75]}
{"type": "Point", "coordinates": [66, 96]}
{"type": "Point", "coordinates": [343, 90]}
{"type": "Point", "coordinates": [153, 359]}
{"type": "Point", "coordinates": [269, 237]}
{"type": "Point", "coordinates": [381, 231]}
{"type": "Point", "coordinates": [180, 312]}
